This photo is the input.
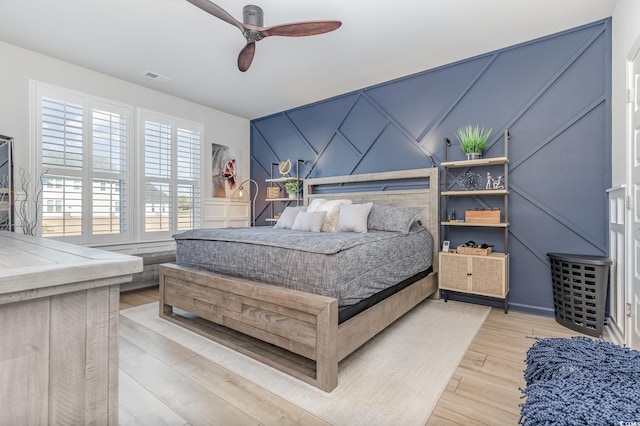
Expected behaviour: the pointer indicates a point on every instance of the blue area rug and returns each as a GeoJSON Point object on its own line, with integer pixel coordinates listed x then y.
{"type": "Point", "coordinates": [580, 381]}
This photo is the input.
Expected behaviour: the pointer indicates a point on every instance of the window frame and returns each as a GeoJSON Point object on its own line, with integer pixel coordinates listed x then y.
{"type": "Point", "coordinates": [174, 182]}
{"type": "Point", "coordinates": [86, 174]}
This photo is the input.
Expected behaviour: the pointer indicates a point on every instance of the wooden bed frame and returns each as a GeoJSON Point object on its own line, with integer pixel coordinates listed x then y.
{"type": "Point", "coordinates": [293, 331]}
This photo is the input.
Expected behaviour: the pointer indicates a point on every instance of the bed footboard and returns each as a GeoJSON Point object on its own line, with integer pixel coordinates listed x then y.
{"type": "Point", "coordinates": [289, 330]}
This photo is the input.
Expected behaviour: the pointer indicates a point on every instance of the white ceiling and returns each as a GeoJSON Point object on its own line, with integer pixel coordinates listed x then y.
{"type": "Point", "coordinates": [378, 41]}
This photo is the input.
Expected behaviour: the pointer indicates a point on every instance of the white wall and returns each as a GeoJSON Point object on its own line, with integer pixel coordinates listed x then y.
{"type": "Point", "coordinates": [626, 30]}
{"type": "Point", "coordinates": [21, 65]}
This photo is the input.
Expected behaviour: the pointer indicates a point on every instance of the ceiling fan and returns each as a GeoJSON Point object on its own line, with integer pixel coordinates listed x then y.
{"type": "Point", "coordinates": [253, 30]}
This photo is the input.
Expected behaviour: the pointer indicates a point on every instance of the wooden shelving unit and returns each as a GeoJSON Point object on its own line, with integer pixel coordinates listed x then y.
{"type": "Point", "coordinates": [6, 184]}
{"type": "Point", "coordinates": [474, 274]}
{"type": "Point", "coordinates": [280, 182]}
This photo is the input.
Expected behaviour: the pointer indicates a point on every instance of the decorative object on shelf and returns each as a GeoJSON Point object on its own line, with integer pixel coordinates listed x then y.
{"type": "Point", "coordinates": [451, 217]}
{"type": "Point", "coordinates": [473, 140]}
{"type": "Point", "coordinates": [482, 216]}
{"type": "Point", "coordinates": [292, 187]}
{"type": "Point", "coordinates": [273, 192]}
{"type": "Point", "coordinates": [240, 194]}
{"type": "Point", "coordinates": [470, 181]}
{"type": "Point", "coordinates": [284, 167]}
{"type": "Point", "coordinates": [493, 183]}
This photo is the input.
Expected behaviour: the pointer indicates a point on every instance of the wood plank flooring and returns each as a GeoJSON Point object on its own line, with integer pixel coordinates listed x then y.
{"type": "Point", "coordinates": [162, 383]}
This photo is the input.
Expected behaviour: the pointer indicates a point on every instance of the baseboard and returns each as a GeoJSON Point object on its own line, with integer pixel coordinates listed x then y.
{"type": "Point", "coordinates": [136, 285]}
{"type": "Point", "coordinates": [614, 334]}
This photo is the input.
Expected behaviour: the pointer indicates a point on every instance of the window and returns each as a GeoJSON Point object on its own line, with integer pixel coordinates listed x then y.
{"type": "Point", "coordinates": [83, 143]}
{"type": "Point", "coordinates": [86, 161]}
{"type": "Point", "coordinates": [171, 183]}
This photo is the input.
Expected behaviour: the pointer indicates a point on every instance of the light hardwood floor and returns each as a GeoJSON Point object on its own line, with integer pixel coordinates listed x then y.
{"type": "Point", "coordinates": [485, 389]}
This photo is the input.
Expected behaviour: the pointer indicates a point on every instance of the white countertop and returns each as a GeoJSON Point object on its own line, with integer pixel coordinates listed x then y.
{"type": "Point", "coordinates": [28, 263]}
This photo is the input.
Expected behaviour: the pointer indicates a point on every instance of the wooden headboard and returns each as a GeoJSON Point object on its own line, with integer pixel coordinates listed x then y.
{"type": "Point", "coordinates": [428, 199]}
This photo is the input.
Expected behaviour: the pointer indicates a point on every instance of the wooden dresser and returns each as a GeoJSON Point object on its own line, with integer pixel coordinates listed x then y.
{"type": "Point", "coordinates": [59, 331]}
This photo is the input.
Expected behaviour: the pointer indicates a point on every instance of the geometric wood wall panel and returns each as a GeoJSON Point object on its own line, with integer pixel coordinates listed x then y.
{"type": "Point", "coordinates": [553, 95]}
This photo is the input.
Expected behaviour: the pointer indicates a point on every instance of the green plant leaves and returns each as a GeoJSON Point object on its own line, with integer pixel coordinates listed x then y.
{"type": "Point", "coordinates": [473, 139]}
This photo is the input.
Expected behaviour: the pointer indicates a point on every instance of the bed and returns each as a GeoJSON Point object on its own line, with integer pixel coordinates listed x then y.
{"type": "Point", "coordinates": [297, 332]}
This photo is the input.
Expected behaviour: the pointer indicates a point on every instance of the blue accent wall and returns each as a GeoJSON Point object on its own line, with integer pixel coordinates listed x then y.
{"type": "Point", "coordinates": [553, 95]}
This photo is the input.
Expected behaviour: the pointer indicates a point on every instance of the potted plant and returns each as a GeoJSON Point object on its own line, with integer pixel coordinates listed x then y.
{"type": "Point", "coordinates": [291, 188]}
{"type": "Point", "coordinates": [473, 140]}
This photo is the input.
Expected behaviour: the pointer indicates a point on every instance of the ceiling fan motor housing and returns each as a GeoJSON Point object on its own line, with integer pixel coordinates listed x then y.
{"type": "Point", "coordinates": [252, 15]}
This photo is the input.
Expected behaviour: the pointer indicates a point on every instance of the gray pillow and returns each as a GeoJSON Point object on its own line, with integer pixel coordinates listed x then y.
{"type": "Point", "coordinates": [353, 217]}
{"type": "Point", "coordinates": [288, 216]}
{"type": "Point", "coordinates": [392, 218]}
{"type": "Point", "coordinates": [309, 221]}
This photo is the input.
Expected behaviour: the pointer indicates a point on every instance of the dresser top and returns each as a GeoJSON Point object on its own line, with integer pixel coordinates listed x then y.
{"type": "Point", "coordinates": [28, 263]}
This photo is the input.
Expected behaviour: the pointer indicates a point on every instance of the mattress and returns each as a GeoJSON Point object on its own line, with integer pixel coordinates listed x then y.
{"type": "Point", "coordinates": [347, 266]}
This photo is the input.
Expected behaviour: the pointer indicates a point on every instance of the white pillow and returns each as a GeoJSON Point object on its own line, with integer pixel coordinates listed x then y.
{"type": "Point", "coordinates": [332, 207]}
{"type": "Point", "coordinates": [288, 216]}
{"type": "Point", "coordinates": [309, 221]}
{"type": "Point", "coordinates": [314, 206]}
{"type": "Point", "coordinates": [353, 217]}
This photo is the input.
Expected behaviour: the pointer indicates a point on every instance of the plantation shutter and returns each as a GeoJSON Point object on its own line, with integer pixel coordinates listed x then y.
{"type": "Point", "coordinates": [109, 171]}
{"type": "Point", "coordinates": [188, 179]}
{"type": "Point", "coordinates": [157, 166]}
{"type": "Point", "coordinates": [62, 135]}
{"type": "Point", "coordinates": [171, 174]}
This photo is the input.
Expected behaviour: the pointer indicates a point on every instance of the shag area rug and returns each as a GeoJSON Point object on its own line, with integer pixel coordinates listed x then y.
{"type": "Point", "coordinates": [580, 381]}
{"type": "Point", "coordinates": [394, 379]}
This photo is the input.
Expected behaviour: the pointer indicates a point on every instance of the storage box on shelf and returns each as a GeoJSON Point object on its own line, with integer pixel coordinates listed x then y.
{"type": "Point", "coordinates": [482, 216]}
{"type": "Point", "coordinates": [474, 270]}
{"type": "Point", "coordinates": [273, 192]}
{"type": "Point", "coordinates": [478, 251]}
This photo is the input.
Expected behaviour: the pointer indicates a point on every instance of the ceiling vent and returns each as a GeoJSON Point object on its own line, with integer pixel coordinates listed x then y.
{"type": "Point", "coordinates": [157, 77]}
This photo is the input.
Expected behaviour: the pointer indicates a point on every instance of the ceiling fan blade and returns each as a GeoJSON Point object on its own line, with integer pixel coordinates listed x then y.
{"type": "Point", "coordinates": [300, 29]}
{"type": "Point", "coordinates": [217, 11]}
{"type": "Point", "coordinates": [246, 56]}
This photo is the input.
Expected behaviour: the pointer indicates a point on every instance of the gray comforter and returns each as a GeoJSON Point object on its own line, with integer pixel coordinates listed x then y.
{"type": "Point", "coordinates": [345, 265]}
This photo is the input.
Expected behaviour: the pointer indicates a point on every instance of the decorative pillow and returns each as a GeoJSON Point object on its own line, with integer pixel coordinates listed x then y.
{"type": "Point", "coordinates": [315, 204]}
{"type": "Point", "coordinates": [392, 218]}
{"type": "Point", "coordinates": [308, 221]}
{"type": "Point", "coordinates": [332, 207]}
{"type": "Point", "coordinates": [288, 216]}
{"type": "Point", "coordinates": [353, 217]}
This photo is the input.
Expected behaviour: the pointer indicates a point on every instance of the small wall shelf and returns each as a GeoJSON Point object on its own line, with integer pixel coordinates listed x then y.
{"type": "Point", "coordinates": [494, 225]}
{"type": "Point", "coordinates": [475, 163]}
{"type": "Point", "coordinates": [479, 192]}
{"type": "Point", "coordinates": [283, 180]}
